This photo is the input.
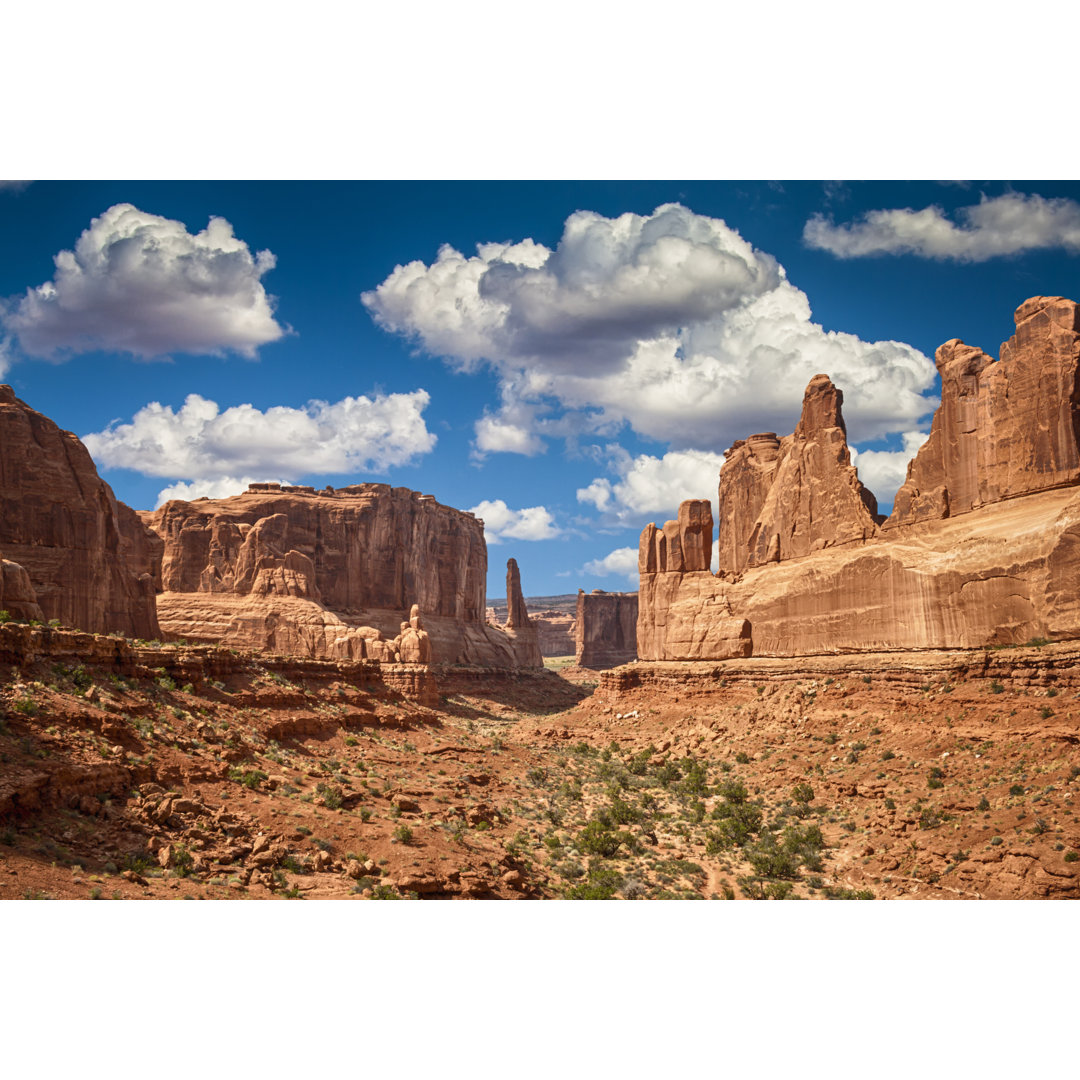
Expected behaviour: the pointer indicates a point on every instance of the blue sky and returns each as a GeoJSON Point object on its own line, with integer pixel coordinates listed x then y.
{"type": "Point", "coordinates": [574, 377]}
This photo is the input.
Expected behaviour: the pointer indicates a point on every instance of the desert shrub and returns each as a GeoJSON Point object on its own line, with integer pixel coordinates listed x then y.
{"type": "Point", "coordinates": [1016, 790]}
{"type": "Point", "coordinates": [623, 813]}
{"type": "Point", "coordinates": [403, 834]}
{"type": "Point", "coordinates": [332, 797]}
{"type": "Point", "coordinates": [734, 792]}
{"type": "Point", "coordinates": [742, 758]}
{"type": "Point", "coordinates": [1071, 856]}
{"type": "Point", "coordinates": [770, 860]}
{"type": "Point", "coordinates": [600, 885]}
{"type": "Point", "coordinates": [802, 793]}
{"type": "Point", "coordinates": [598, 838]}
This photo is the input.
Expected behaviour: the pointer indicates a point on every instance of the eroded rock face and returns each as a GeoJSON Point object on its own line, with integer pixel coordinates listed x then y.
{"type": "Point", "coordinates": [331, 573]}
{"type": "Point", "coordinates": [17, 596]}
{"type": "Point", "coordinates": [983, 546]}
{"type": "Point", "coordinates": [784, 498]}
{"type": "Point", "coordinates": [605, 629]}
{"type": "Point", "coordinates": [518, 624]}
{"type": "Point", "coordinates": [88, 557]}
{"type": "Point", "coordinates": [1004, 428]}
{"type": "Point", "coordinates": [555, 632]}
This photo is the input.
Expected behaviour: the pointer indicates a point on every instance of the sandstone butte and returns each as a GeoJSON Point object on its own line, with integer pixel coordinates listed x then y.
{"type": "Point", "coordinates": [982, 547]}
{"type": "Point", "coordinates": [368, 571]}
{"type": "Point", "coordinates": [334, 574]}
{"type": "Point", "coordinates": [605, 630]}
{"type": "Point", "coordinates": [71, 550]}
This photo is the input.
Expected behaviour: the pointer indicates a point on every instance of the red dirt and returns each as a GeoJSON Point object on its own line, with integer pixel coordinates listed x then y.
{"type": "Point", "coordinates": [940, 775]}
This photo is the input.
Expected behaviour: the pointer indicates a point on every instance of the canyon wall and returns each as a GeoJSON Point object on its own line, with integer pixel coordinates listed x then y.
{"type": "Point", "coordinates": [555, 631]}
{"type": "Point", "coordinates": [605, 630]}
{"type": "Point", "coordinates": [87, 557]}
{"type": "Point", "coordinates": [982, 547]}
{"type": "Point", "coordinates": [329, 573]}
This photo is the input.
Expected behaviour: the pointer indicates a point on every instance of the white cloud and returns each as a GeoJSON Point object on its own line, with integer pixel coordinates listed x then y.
{"type": "Point", "coordinates": [670, 322]}
{"type": "Point", "coordinates": [200, 442]}
{"type": "Point", "coordinates": [621, 561]}
{"type": "Point", "coordinates": [651, 485]}
{"type": "Point", "coordinates": [502, 523]}
{"type": "Point", "coordinates": [142, 284]}
{"type": "Point", "coordinates": [1006, 225]}
{"type": "Point", "coordinates": [499, 434]}
{"type": "Point", "coordinates": [15, 185]}
{"type": "Point", "coordinates": [883, 471]}
{"type": "Point", "coordinates": [211, 489]}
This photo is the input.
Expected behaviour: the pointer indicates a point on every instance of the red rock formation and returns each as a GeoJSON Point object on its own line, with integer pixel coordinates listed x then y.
{"type": "Point", "coordinates": [330, 574]}
{"type": "Point", "coordinates": [17, 595]}
{"type": "Point", "coordinates": [605, 630]}
{"type": "Point", "coordinates": [803, 492]}
{"type": "Point", "coordinates": [555, 632]}
{"type": "Point", "coordinates": [88, 557]}
{"type": "Point", "coordinates": [1004, 428]}
{"type": "Point", "coordinates": [979, 551]}
{"type": "Point", "coordinates": [518, 624]}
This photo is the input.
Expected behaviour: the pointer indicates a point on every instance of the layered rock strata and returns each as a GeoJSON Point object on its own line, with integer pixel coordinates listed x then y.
{"type": "Point", "coordinates": [605, 630]}
{"type": "Point", "coordinates": [331, 573]}
{"type": "Point", "coordinates": [88, 557]}
{"type": "Point", "coordinates": [982, 548]}
{"type": "Point", "coordinates": [555, 632]}
{"type": "Point", "coordinates": [1004, 428]}
{"type": "Point", "coordinates": [783, 498]}
{"type": "Point", "coordinates": [17, 596]}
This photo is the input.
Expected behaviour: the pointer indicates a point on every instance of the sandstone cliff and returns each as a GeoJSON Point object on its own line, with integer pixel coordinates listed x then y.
{"type": "Point", "coordinates": [519, 627]}
{"type": "Point", "coordinates": [331, 573]}
{"type": "Point", "coordinates": [555, 632]}
{"type": "Point", "coordinates": [87, 556]}
{"type": "Point", "coordinates": [606, 627]}
{"type": "Point", "coordinates": [783, 498]}
{"type": "Point", "coordinates": [17, 596]}
{"type": "Point", "coordinates": [982, 548]}
{"type": "Point", "coordinates": [1004, 428]}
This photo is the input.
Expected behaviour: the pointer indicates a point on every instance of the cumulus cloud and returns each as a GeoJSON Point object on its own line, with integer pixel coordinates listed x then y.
{"type": "Point", "coordinates": [202, 442]}
{"type": "Point", "coordinates": [502, 523]}
{"type": "Point", "coordinates": [652, 485]}
{"type": "Point", "coordinates": [502, 434]}
{"type": "Point", "coordinates": [142, 284]}
{"type": "Point", "coordinates": [220, 488]}
{"type": "Point", "coordinates": [1006, 225]}
{"type": "Point", "coordinates": [670, 322]}
{"type": "Point", "coordinates": [622, 561]}
{"type": "Point", "coordinates": [883, 471]}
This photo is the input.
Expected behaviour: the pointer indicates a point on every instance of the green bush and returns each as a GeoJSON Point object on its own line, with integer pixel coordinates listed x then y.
{"type": "Point", "coordinates": [403, 834]}
{"type": "Point", "coordinates": [598, 838]}
{"type": "Point", "coordinates": [802, 793]}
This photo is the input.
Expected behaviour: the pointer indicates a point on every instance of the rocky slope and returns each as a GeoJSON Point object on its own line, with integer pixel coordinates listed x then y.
{"type": "Point", "coordinates": [87, 557]}
{"type": "Point", "coordinates": [981, 549]}
{"type": "Point", "coordinates": [206, 772]}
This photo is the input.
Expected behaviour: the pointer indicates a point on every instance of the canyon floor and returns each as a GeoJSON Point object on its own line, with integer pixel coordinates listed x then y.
{"type": "Point", "coordinates": [925, 775]}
